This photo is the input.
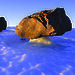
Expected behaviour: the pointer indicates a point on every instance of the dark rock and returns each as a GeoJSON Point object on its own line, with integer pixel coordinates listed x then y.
{"type": "Point", "coordinates": [45, 23]}
{"type": "Point", "coordinates": [3, 24]}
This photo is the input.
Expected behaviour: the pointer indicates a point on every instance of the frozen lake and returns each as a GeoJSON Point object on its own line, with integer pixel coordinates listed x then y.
{"type": "Point", "coordinates": [21, 57]}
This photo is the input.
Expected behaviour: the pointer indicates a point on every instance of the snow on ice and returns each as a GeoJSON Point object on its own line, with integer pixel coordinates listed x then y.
{"type": "Point", "coordinates": [48, 56]}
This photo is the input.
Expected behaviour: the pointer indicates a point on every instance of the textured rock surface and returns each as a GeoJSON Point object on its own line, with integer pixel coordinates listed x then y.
{"type": "Point", "coordinates": [44, 23]}
{"type": "Point", "coordinates": [3, 24]}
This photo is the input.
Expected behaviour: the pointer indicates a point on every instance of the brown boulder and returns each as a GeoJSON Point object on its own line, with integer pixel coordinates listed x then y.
{"type": "Point", "coordinates": [44, 23]}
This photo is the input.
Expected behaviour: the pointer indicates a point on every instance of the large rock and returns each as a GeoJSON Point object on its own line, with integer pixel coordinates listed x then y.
{"type": "Point", "coordinates": [44, 23]}
{"type": "Point", "coordinates": [3, 24]}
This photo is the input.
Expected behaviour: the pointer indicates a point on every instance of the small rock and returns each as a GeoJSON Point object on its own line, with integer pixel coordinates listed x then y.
{"type": "Point", "coordinates": [3, 24]}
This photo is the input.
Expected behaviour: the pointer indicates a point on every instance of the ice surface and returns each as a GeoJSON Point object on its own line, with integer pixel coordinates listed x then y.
{"type": "Point", "coordinates": [24, 57]}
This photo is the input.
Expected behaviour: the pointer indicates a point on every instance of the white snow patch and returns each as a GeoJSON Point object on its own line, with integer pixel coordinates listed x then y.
{"type": "Point", "coordinates": [67, 69]}
{"type": "Point", "coordinates": [43, 40]}
{"type": "Point", "coordinates": [23, 70]}
{"type": "Point", "coordinates": [10, 64]}
{"type": "Point", "coordinates": [23, 57]}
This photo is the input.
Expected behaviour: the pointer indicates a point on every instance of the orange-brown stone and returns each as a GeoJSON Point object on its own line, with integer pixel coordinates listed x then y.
{"type": "Point", "coordinates": [44, 23]}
